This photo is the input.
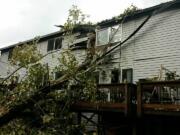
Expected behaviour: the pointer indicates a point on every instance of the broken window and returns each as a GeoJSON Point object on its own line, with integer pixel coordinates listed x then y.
{"type": "Point", "coordinates": [54, 44]}
{"type": "Point", "coordinates": [115, 34]}
{"type": "Point", "coordinates": [102, 36]}
{"type": "Point", "coordinates": [106, 35]}
{"type": "Point", "coordinates": [80, 45]}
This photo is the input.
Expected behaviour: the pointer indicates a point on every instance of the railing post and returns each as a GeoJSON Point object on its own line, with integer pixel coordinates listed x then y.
{"type": "Point", "coordinates": [127, 99]}
{"type": "Point", "coordinates": [139, 99]}
{"type": "Point", "coordinates": [79, 118]}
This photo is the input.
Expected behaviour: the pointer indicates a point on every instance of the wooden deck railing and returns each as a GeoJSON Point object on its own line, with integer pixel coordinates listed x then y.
{"type": "Point", "coordinates": [111, 97]}
{"type": "Point", "coordinates": [158, 97]}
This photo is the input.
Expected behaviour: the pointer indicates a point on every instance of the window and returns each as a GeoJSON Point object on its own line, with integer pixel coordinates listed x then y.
{"type": "Point", "coordinates": [54, 44]}
{"type": "Point", "coordinates": [10, 54]}
{"type": "Point", "coordinates": [104, 36]}
{"type": "Point", "coordinates": [115, 34]}
{"type": "Point", "coordinates": [127, 75]}
{"type": "Point", "coordinates": [105, 76]}
{"type": "Point", "coordinates": [57, 75]}
{"type": "Point", "coordinates": [115, 76]}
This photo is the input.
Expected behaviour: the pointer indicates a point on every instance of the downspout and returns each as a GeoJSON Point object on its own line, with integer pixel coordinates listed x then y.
{"type": "Point", "coordinates": [120, 79]}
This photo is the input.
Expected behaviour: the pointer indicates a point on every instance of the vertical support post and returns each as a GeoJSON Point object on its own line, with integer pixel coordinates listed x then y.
{"type": "Point", "coordinates": [98, 125]}
{"type": "Point", "coordinates": [127, 99]}
{"type": "Point", "coordinates": [79, 118]}
{"type": "Point", "coordinates": [139, 99]}
{"type": "Point", "coordinates": [134, 129]}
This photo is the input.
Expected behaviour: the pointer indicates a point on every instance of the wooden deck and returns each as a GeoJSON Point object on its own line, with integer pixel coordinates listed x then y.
{"type": "Point", "coordinates": [160, 97]}
{"type": "Point", "coordinates": [98, 107]}
{"type": "Point", "coordinates": [111, 97]}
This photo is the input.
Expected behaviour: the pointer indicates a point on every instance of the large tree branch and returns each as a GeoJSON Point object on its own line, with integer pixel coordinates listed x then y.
{"type": "Point", "coordinates": [17, 110]}
{"type": "Point", "coordinates": [38, 95]}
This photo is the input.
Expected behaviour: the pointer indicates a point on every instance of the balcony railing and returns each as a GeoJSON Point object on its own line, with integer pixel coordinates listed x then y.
{"type": "Point", "coordinates": [110, 97]}
{"type": "Point", "coordinates": [158, 97]}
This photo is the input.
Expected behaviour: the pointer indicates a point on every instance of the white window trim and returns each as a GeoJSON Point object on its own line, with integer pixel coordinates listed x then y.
{"type": "Point", "coordinates": [109, 34]}
{"type": "Point", "coordinates": [119, 27]}
{"type": "Point", "coordinates": [55, 44]}
{"type": "Point", "coordinates": [124, 68]}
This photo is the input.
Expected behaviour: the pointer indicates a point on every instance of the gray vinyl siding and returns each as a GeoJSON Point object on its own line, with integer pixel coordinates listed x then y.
{"type": "Point", "coordinates": [4, 64]}
{"type": "Point", "coordinates": [156, 43]}
{"type": "Point", "coordinates": [51, 59]}
{"type": "Point", "coordinates": [6, 68]}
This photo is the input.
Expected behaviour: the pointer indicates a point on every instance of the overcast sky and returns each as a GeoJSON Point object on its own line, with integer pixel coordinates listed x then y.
{"type": "Point", "coordinates": [24, 19]}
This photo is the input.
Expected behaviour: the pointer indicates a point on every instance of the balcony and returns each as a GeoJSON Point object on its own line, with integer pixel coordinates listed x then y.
{"type": "Point", "coordinates": [110, 98]}
{"type": "Point", "coordinates": [159, 98]}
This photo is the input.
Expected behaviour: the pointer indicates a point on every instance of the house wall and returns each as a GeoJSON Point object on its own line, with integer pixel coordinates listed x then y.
{"type": "Point", "coordinates": [156, 43]}
{"type": "Point", "coordinates": [50, 59]}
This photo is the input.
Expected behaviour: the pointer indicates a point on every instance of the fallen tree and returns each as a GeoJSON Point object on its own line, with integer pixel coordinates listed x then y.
{"type": "Point", "coordinates": [18, 108]}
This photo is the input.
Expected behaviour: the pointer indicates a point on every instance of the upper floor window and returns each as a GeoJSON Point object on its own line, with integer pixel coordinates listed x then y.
{"type": "Point", "coordinates": [54, 44]}
{"type": "Point", "coordinates": [115, 34]}
{"type": "Point", "coordinates": [106, 35]}
{"type": "Point", "coordinates": [10, 54]}
{"type": "Point", "coordinates": [102, 36]}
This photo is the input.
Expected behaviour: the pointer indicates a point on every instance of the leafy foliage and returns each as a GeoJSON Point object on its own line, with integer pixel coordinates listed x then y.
{"type": "Point", "coordinates": [76, 17]}
{"type": "Point", "coordinates": [51, 114]}
{"type": "Point", "coordinates": [128, 11]}
{"type": "Point", "coordinates": [25, 54]}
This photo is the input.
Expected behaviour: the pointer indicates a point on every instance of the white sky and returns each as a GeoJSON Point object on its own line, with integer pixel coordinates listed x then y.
{"type": "Point", "coordinates": [24, 19]}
